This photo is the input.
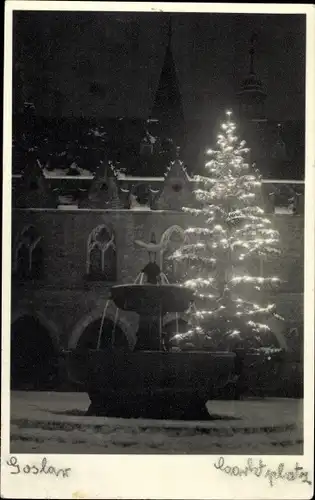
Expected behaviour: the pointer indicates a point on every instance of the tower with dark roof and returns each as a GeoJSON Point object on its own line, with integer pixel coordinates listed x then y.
{"type": "Point", "coordinates": [251, 96]}
{"type": "Point", "coordinates": [167, 107]}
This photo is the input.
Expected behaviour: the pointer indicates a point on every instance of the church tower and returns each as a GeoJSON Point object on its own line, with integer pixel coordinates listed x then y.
{"type": "Point", "coordinates": [251, 96]}
{"type": "Point", "coordinates": [167, 108]}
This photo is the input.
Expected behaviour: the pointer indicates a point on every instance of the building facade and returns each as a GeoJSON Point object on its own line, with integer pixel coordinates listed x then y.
{"type": "Point", "coordinates": [74, 230]}
{"type": "Point", "coordinates": [65, 259]}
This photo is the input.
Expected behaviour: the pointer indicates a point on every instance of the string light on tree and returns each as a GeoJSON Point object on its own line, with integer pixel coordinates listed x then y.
{"type": "Point", "coordinates": [234, 231]}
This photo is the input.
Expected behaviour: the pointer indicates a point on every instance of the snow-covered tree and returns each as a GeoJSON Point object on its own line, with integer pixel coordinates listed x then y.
{"type": "Point", "coordinates": [224, 252]}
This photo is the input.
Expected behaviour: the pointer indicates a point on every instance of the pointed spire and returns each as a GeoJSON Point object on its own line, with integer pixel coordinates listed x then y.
{"type": "Point", "coordinates": [167, 107]}
{"type": "Point", "coordinates": [278, 150]}
{"type": "Point", "coordinates": [251, 95]}
{"type": "Point", "coordinates": [170, 32]}
{"type": "Point", "coordinates": [252, 82]}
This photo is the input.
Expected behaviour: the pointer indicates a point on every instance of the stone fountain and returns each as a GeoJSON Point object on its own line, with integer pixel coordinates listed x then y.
{"type": "Point", "coordinates": [150, 380]}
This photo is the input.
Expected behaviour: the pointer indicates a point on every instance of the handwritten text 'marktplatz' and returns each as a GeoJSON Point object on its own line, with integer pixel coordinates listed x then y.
{"type": "Point", "coordinates": [261, 470]}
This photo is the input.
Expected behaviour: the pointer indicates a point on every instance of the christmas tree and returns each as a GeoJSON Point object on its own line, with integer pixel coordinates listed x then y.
{"type": "Point", "coordinates": [224, 253]}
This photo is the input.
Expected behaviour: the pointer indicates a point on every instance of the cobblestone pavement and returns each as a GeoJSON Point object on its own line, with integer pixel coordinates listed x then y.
{"type": "Point", "coordinates": [39, 425]}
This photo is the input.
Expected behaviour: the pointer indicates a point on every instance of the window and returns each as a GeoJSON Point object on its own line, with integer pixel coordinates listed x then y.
{"type": "Point", "coordinates": [101, 254]}
{"type": "Point", "coordinates": [140, 195]}
{"type": "Point", "coordinates": [146, 149]}
{"type": "Point", "coordinates": [28, 254]}
{"type": "Point", "coordinates": [177, 187]}
{"type": "Point", "coordinates": [173, 238]}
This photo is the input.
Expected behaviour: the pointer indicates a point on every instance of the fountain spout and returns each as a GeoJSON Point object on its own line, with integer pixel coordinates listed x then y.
{"type": "Point", "coordinates": [164, 280]}
{"type": "Point", "coordinates": [99, 338]}
{"type": "Point", "coordinates": [152, 273]}
{"type": "Point", "coordinates": [140, 279]}
{"type": "Point", "coordinates": [151, 296]}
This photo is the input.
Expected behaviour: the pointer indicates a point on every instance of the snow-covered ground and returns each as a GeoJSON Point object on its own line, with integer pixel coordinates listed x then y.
{"type": "Point", "coordinates": [128, 441]}
{"type": "Point", "coordinates": [39, 425]}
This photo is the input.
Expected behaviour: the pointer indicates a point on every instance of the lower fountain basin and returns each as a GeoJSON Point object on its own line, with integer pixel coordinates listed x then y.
{"type": "Point", "coordinates": [147, 298]}
{"type": "Point", "coordinates": [161, 383]}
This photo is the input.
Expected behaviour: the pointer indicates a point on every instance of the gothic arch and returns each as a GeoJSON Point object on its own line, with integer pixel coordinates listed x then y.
{"type": "Point", "coordinates": [176, 326]}
{"type": "Point", "coordinates": [171, 317]}
{"type": "Point", "coordinates": [34, 351]}
{"type": "Point", "coordinates": [49, 325]}
{"type": "Point", "coordinates": [278, 330]}
{"type": "Point", "coordinates": [29, 240]}
{"type": "Point", "coordinates": [101, 241]}
{"type": "Point", "coordinates": [166, 244]}
{"type": "Point", "coordinates": [129, 327]}
{"type": "Point", "coordinates": [166, 236]}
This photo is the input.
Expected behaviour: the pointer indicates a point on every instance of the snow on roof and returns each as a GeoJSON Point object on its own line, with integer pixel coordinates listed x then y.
{"type": "Point", "coordinates": [59, 173]}
{"type": "Point", "coordinates": [140, 208]}
{"type": "Point", "coordinates": [122, 176]}
{"type": "Point", "coordinates": [68, 207]}
{"type": "Point", "coordinates": [177, 167]}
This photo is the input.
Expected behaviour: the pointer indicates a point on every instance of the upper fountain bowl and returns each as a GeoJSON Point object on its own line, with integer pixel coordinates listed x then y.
{"type": "Point", "coordinates": [146, 299]}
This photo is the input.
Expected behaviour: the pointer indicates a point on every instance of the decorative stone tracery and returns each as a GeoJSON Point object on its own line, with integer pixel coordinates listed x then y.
{"type": "Point", "coordinates": [101, 254]}
{"type": "Point", "coordinates": [171, 240]}
{"type": "Point", "coordinates": [177, 189]}
{"type": "Point", "coordinates": [28, 254]}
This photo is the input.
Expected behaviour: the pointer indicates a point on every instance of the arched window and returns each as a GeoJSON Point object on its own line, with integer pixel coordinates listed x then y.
{"type": "Point", "coordinates": [172, 332]}
{"type": "Point", "coordinates": [112, 336]}
{"type": "Point", "coordinates": [140, 196]}
{"type": "Point", "coordinates": [146, 147]}
{"type": "Point", "coordinates": [173, 238]}
{"type": "Point", "coordinates": [28, 254]}
{"type": "Point", "coordinates": [101, 254]}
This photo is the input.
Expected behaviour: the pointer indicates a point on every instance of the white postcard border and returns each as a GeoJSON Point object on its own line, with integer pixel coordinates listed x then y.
{"type": "Point", "coordinates": [159, 476]}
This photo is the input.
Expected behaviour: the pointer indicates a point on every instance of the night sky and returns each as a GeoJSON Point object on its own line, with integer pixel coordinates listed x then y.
{"type": "Point", "coordinates": [98, 64]}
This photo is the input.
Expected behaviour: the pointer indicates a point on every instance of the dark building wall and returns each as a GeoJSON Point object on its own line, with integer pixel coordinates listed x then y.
{"type": "Point", "coordinates": [65, 235]}
{"type": "Point", "coordinates": [69, 301]}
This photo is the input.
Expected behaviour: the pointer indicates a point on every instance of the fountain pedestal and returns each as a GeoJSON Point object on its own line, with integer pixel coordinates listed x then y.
{"type": "Point", "coordinates": [149, 337]}
{"type": "Point", "coordinates": [151, 302]}
{"type": "Point", "coordinates": [151, 382]}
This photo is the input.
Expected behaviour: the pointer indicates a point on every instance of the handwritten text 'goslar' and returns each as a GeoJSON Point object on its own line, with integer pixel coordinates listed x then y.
{"type": "Point", "coordinates": [39, 469]}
